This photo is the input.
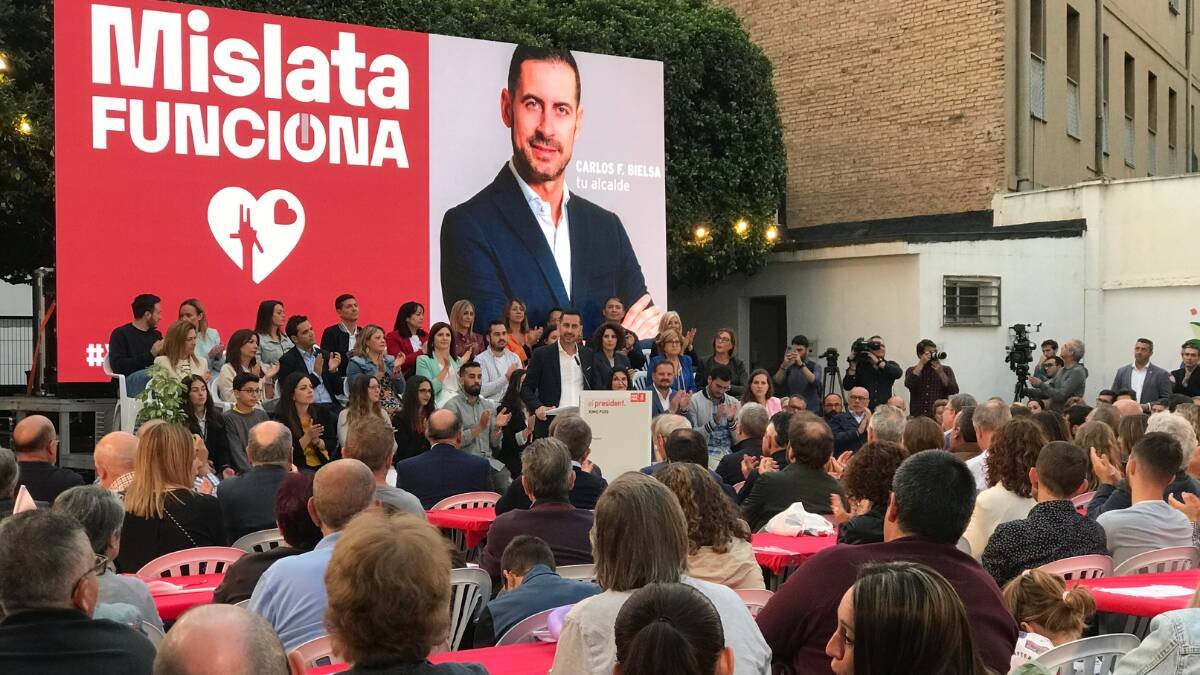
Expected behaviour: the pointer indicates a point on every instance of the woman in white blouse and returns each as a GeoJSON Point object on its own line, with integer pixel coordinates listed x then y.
{"type": "Point", "coordinates": [1014, 451]}
{"type": "Point", "coordinates": [179, 352]}
{"type": "Point", "coordinates": [208, 341]}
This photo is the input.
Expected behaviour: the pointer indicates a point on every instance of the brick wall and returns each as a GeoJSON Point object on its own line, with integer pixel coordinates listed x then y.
{"type": "Point", "coordinates": [889, 108]}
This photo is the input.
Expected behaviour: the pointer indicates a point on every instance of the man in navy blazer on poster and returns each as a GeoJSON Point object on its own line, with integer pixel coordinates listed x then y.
{"type": "Point", "coordinates": [525, 235]}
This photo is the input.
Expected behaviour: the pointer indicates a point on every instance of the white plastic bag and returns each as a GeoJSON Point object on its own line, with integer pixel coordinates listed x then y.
{"type": "Point", "coordinates": [795, 521]}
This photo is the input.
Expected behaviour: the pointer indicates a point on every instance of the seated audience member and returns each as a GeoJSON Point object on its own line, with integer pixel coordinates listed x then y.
{"type": "Point", "coordinates": [921, 433]}
{"type": "Point", "coordinates": [665, 399]}
{"type": "Point", "coordinates": [221, 639]}
{"type": "Point", "coordinates": [606, 342]}
{"type": "Point", "coordinates": [938, 408]}
{"type": "Point", "coordinates": [342, 336]}
{"type": "Point", "coordinates": [850, 427]}
{"type": "Point", "coordinates": [725, 354]}
{"type": "Point", "coordinates": [573, 432]}
{"type": "Point", "coordinates": [48, 589]}
{"type": "Point", "coordinates": [661, 427]}
{"type": "Point", "coordinates": [1130, 430]}
{"type": "Point", "coordinates": [248, 500]}
{"type": "Point", "coordinates": [719, 548]}
{"type": "Point", "coordinates": [497, 362]}
{"type": "Point", "coordinates": [964, 444]}
{"type": "Point", "coordinates": [519, 430]}
{"type": "Point", "coordinates": [933, 494]}
{"type": "Point", "coordinates": [867, 479]}
{"type": "Point", "coordinates": [670, 628]}
{"type": "Point", "coordinates": [242, 416]}
{"type": "Point", "coordinates": [1009, 495]}
{"type": "Point", "coordinates": [363, 403]}
{"type": "Point", "coordinates": [713, 412]}
{"type": "Point", "coordinates": [630, 555]}
{"type": "Point", "coordinates": [687, 445]}
{"type": "Point", "coordinates": [121, 598]}
{"type": "Point", "coordinates": [115, 456]}
{"type": "Point", "coordinates": [987, 418]}
{"type": "Point", "coordinates": [1098, 435]}
{"type": "Point", "coordinates": [1075, 416]}
{"type": "Point", "coordinates": [162, 512]}
{"type": "Point", "coordinates": [313, 425]}
{"type": "Point", "coordinates": [10, 476]}
{"type": "Point", "coordinates": [759, 391]}
{"type": "Point", "coordinates": [385, 563]}
{"type": "Point", "coordinates": [1106, 397]}
{"type": "Point", "coordinates": [1114, 491]}
{"type": "Point", "coordinates": [35, 444]}
{"type": "Point", "coordinates": [208, 340]}
{"type": "Point", "coordinates": [547, 477]}
{"type": "Point", "coordinates": [618, 380]}
{"type": "Point", "coordinates": [462, 322]}
{"type": "Point", "coordinates": [483, 424]}
{"type": "Point", "coordinates": [268, 325]}
{"type": "Point", "coordinates": [370, 357]}
{"type": "Point", "coordinates": [810, 445]}
{"type": "Point", "coordinates": [1049, 615]}
{"type": "Point", "coordinates": [669, 346]}
{"type": "Point", "coordinates": [413, 417]}
{"type": "Point", "coordinates": [288, 595]}
{"type": "Point", "coordinates": [903, 617]}
{"type": "Point", "coordinates": [954, 405]}
{"type": "Point", "coordinates": [1053, 530]}
{"type": "Point", "coordinates": [748, 432]}
{"type": "Point", "coordinates": [1149, 522]}
{"type": "Point", "coordinates": [179, 353]}
{"type": "Point", "coordinates": [774, 453]}
{"type": "Point", "coordinates": [241, 356]}
{"type": "Point", "coordinates": [371, 442]}
{"type": "Point", "coordinates": [1054, 426]}
{"type": "Point", "coordinates": [1035, 406]}
{"type": "Point", "coordinates": [522, 338]}
{"type": "Point", "coordinates": [1019, 410]}
{"type": "Point", "coordinates": [443, 470]}
{"type": "Point", "coordinates": [322, 367]}
{"type": "Point", "coordinates": [407, 338]}
{"type": "Point", "coordinates": [887, 424]}
{"type": "Point", "coordinates": [133, 347]}
{"type": "Point", "coordinates": [1108, 415]}
{"type": "Point", "coordinates": [831, 405]}
{"type": "Point", "coordinates": [1125, 395]}
{"type": "Point", "coordinates": [300, 534]}
{"type": "Point", "coordinates": [531, 585]}
{"type": "Point", "coordinates": [439, 364]}
{"type": "Point", "coordinates": [205, 420]}
{"type": "Point", "coordinates": [1169, 647]}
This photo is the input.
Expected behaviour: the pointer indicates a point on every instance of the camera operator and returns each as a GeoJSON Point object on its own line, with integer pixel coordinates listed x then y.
{"type": "Point", "coordinates": [1049, 351]}
{"type": "Point", "coordinates": [929, 380]}
{"type": "Point", "coordinates": [798, 376]}
{"type": "Point", "coordinates": [1068, 381]}
{"type": "Point", "coordinates": [869, 368]}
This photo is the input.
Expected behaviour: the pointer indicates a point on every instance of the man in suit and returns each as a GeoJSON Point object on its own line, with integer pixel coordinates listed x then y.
{"type": "Point", "coordinates": [443, 470]}
{"type": "Point", "coordinates": [343, 335]}
{"type": "Point", "coordinates": [547, 478]}
{"type": "Point", "coordinates": [748, 433]}
{"type": "Point", "coordinates": [580, 252]}
{"type": "Point", "coordinates": [322, 367]}
{"type": "Point", "coordinates": [36, 445]}
{"type": "Point", "coordinates": [573, 432]}
{"type": "Point", "coordinates": [810, 445]}
{"type": "Point", "coordinates": [850, 427]}
{"type": "Point", "coordinates": [665, 400]}
{"type": "Point", "coordinates": [1147, 380]}
{"type": "Point", "coordinates": [248, 500]}
{"type": "Point", "coordinates": [557, 372]}
{"type": "Point", "coordinates": [1186, 380]}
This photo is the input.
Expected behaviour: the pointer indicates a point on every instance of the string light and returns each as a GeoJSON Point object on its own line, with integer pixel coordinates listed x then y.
{"type": "Point", "coordinates": [701, 232]}
{"type": "Point", "coordinates": [741, 227]}
{"type": "Point", "coordinates": [24, 126]}
{"type": "Point", "coordinates": [3, 64]}
{"type": "Point", "coordinates": [772, 233]}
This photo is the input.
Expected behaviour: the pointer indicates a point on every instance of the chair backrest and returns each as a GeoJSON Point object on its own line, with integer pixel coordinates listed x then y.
{"type": "Point", "coordinates": [755, 598]}
{"type": "Point", "coordinates": [152, 633]}
{"type": "Point", "coordinates": [467, 500]}
{"type": "Point", "coordinates": [127, 408]}
{"type": "Point", "coordinates": [1083, 499]}
{"type": "Point", "coordinates": [1173, 559]}
{"type": "Point", "coordinates": [577, 572]}
{"type": "Point", "coordinates": [639, 380]}
{"type": "Point", "coordinates": [1097, 655]}
{"type": "Point", "coordinates": [245, 604]}
{"type": "Point", "coordinates": [191, 561]}
{"type": "Point", "coordinates": [470, 589]}
{"type": "Point", "coordinates": [525, 630]}
{"type": "Point", "coordinates": [1081, 567]}
{"type": "Point", "coordinates": [317, 652]}
{"type": "Point", "coordinates": [257, 542]}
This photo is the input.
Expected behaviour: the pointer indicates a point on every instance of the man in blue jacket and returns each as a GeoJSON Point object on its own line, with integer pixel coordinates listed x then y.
{"type": "Point", "coordinates": [443, 470]}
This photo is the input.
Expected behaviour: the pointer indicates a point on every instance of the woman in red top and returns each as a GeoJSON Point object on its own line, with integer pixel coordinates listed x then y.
{"type": "Point", "coordinates": [408, 336]}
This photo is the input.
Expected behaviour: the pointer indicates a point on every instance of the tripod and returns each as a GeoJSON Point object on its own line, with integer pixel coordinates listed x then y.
{"type": "Point", "coordinates": [831, 382]}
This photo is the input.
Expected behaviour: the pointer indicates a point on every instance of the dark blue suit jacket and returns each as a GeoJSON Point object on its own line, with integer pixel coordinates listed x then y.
{"type": "Point", "coordinates": [443, 471]}
{"type": "Point", "coordinates": [845, 432]}
{"type": "Point", "coordinates": [493, 250]}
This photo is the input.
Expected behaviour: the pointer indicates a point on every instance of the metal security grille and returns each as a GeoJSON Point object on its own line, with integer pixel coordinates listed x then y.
{"type": "Point", "coordinates": [1151, 153]}
{"type": "Point", "coordinates": [1072, 108]}
{"type": "Point", "coordinates": [1129, 141]}
{"type": "Point", "coordinates": [16, 348]}
{"type": "Point", "coordinates": [1037, 86]}
{"type": "Point", "coordinates": [970, 301]}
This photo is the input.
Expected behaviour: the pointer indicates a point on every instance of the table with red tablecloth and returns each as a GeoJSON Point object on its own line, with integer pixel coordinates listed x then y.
{"type": "Point", "coordinates": [777, 552]}
{"type": "Point", "coordinates": [1146, 595]}
{"type": "Point", "coordinates": [175, 595]}
{"type": "Point", "coordinates": [474, 523]}
{"type": "Point", "coordinates": [531, 658]}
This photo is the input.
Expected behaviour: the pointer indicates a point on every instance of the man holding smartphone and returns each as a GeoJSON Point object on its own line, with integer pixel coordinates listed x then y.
{"type": "Point", "coordinates": [798, 376]}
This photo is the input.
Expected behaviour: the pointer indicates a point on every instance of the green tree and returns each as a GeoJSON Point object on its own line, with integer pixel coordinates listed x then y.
{"type": "Point", "coordinates": [724, 146]}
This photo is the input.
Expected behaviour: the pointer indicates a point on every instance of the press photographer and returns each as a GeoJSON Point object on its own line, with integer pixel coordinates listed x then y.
{"type": "Point", "coordinates": [928, 380]}
{"type": "Point", "coordinates": [1070, 380]}
{"type": "Point", "coordinates": [798, 376]}
{"type": "Point", "coordinates": [870, 369]}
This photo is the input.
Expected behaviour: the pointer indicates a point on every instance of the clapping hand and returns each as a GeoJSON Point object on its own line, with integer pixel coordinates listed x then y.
{"type": "Point", "coordinates": [1190, 506]}
{"type": "Point", "coordinates": [643, 318]}
{"type": "Point", "coordinates": [502, 418]}
{"type": "Point", "coordinates": [335, 361]}
{"type": "Point", "coordinates": [1104, 469]}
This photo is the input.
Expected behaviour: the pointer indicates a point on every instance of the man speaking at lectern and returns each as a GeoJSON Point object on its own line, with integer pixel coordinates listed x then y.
{"type": "Point", "coordinates": [525, 235]}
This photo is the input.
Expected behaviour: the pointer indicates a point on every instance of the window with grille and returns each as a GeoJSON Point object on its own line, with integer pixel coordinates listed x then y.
{"type": "Point", "coordinates": [1072, 73]}
{"type": "Point", "coordinates": [1130, 69]}
{"type": "Point", "coordinates": [970, 301]}
{"type": "Point", "coordinates": [1104, 103]}
{"type": "Point", "coordinates": [1174, 6]}
{"type": "Point", "coordinates": [1037, 59]}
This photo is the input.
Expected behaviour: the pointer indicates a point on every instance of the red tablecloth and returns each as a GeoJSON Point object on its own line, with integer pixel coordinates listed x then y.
{"type": "Point", "coordinates": [175, 595]}
{"type": "Point", "coordinates": [533, 658]}
{"type": "Point", "coordinates": [1107, 601]}
{"type": "Point", "coordinates": [475, 523]}
{"type": "Point", "coordinates": [775, 552]}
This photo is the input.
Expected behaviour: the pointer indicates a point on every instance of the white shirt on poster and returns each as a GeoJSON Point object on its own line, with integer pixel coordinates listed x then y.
{"type": "Point", "coordinates": [558, 235]}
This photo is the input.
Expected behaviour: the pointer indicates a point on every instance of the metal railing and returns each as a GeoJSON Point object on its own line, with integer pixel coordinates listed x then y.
{"type": "Point", "coordinates": [16, 348]}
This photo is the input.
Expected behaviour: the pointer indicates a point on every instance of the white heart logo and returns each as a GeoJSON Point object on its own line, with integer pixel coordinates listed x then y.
{"type": "Point", "coordinates": [263, 230]}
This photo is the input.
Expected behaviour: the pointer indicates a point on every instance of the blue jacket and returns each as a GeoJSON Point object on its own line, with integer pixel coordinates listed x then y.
{"type": "Point", "coordinates": [362, 366]}
{"type": "Point", "coordinates": [542, 589]}
{"type": "Point", "coordinates": [1172, 646]}
{"type": "Point", "coordinates": [443, 471]}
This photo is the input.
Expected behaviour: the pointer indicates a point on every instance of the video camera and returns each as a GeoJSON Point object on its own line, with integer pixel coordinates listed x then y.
{"type": "Point", "coordinates": [1019, 353]}
{"type": "Point", "coordinates": [831, 358]}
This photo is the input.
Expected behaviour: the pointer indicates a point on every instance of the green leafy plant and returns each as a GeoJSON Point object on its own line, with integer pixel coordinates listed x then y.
{"type": "Point", "coordinates": [163, 397]}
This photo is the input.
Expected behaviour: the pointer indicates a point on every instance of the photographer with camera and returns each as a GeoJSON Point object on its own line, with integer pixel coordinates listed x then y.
{"type": "Point", "coordinates": [798, 376]}
{"type": "Point", "coordinates": [928, 380]}
{"type": "Point", "coordinates": [870, 369]}
{"type": "Point", "coordinates": [1068, 381]}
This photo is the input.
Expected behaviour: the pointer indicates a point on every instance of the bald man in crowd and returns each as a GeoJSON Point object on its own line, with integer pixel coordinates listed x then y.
{"type": "Point", "coordinates": [1128, 407]}
{"type": "Point", "coordinates": [36, 445]}
{"type": "Point", "coordinates": [115, 457]}
{"type": "Point", "coordinates": [248, 645]}
{"type": "Point", "coordinates": [444, 470]}
{"type": "Point", "coordinates": [290, 595]}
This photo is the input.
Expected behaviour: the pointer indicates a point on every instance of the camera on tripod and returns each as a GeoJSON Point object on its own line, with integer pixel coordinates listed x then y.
{"type": "Point", "coordinates": [1019, 353]}
{"type": "Point", "coordinates": [831, 358]}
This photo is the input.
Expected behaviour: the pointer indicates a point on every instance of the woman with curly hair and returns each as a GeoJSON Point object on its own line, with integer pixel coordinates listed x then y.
{"type": "Point", "coordinates": [719, 548]}
{"type": "Point", "coordinates": [1009, 496]}
{"type": "Point", "coordinates": [867, 479]}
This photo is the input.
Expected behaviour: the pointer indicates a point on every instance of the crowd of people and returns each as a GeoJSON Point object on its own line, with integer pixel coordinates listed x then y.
{"type": "Point", "coordinates": [944, 508]}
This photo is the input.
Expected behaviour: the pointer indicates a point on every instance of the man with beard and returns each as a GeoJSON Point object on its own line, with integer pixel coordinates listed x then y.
{"type": "Point", "coordinates": [482, 425]}
{"type": "Point", "coordinates": [580, 252]}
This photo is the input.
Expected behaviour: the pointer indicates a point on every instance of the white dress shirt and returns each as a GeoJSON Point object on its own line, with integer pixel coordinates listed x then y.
{"type": "Point", "coordinates": [495, 369]}
{"type": "Point", "coordinates": [558, 235]}
{"type": "Point", "coordinates": [1137, 379]}
{"type": "Point", "coordinates": [571, 377]}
